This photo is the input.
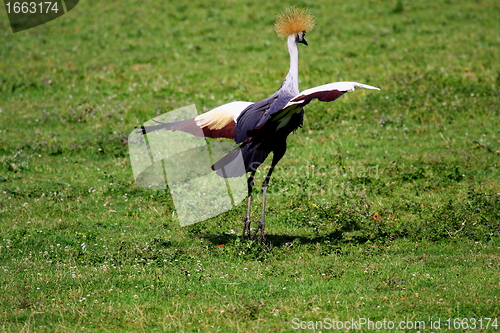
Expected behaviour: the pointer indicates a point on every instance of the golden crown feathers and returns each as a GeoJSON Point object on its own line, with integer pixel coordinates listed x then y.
{"type": "Point", "coordinates": [292, 21]}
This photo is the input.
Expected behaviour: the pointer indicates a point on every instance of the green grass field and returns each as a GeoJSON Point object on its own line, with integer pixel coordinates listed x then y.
{"type": "Point", "coordinates": [386, 207]}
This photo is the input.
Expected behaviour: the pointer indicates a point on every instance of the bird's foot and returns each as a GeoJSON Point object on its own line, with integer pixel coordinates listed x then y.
{"type": "Point", "coordinates": [261, 225]}
{"type": "Point", "coordinates": [246, 229]}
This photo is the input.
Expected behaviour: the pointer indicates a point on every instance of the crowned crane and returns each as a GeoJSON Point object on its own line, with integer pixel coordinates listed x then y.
{"type": "Point", "coordinates": [263, 127]}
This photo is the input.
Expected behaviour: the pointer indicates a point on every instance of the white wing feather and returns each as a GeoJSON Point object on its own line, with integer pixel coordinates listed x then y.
{"type": "Point", "coordinates": [344, 86]}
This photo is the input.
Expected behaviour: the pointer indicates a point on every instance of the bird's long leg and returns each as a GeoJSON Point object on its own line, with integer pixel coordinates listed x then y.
{"type": "Point", "coordinates": [262, 221]}
{"type": "Point", "coordinates": [277, 155]}
{"type": "Point", "coordinates": [246, 226]}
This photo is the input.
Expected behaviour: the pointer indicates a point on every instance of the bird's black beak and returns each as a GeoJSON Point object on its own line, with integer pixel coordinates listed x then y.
{"type": "Point", "coordinates": [303, 41]}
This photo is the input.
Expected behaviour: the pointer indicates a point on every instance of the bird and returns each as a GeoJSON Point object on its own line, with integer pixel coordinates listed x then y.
{"type": "Point", "coordinates": [259, 128]}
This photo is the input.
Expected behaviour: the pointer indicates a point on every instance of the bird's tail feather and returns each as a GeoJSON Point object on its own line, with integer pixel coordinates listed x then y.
{"type": "Point", "coordinates": [153, 128]}
{"type": "Point", "coordinates": [241, 160]}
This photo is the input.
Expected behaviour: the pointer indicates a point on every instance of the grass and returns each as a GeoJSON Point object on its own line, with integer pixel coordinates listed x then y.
{"type": "Point", "coordinates": [386, 206]}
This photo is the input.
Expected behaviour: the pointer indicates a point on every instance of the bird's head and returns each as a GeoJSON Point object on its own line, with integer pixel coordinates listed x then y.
{"type": "Point", "coordinates": [294, 21]}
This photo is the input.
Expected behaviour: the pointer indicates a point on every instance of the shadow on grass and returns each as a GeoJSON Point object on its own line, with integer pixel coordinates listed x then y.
{"type": "Point", "coordinates": [277, 240]}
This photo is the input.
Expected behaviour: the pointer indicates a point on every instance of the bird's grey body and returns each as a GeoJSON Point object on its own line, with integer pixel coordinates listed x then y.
{"type": "Point", "coordinates": [255, 132]}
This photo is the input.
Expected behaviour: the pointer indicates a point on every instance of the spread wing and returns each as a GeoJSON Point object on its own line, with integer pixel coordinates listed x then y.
{"type": "Point", "coordinates": [325, 93]}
